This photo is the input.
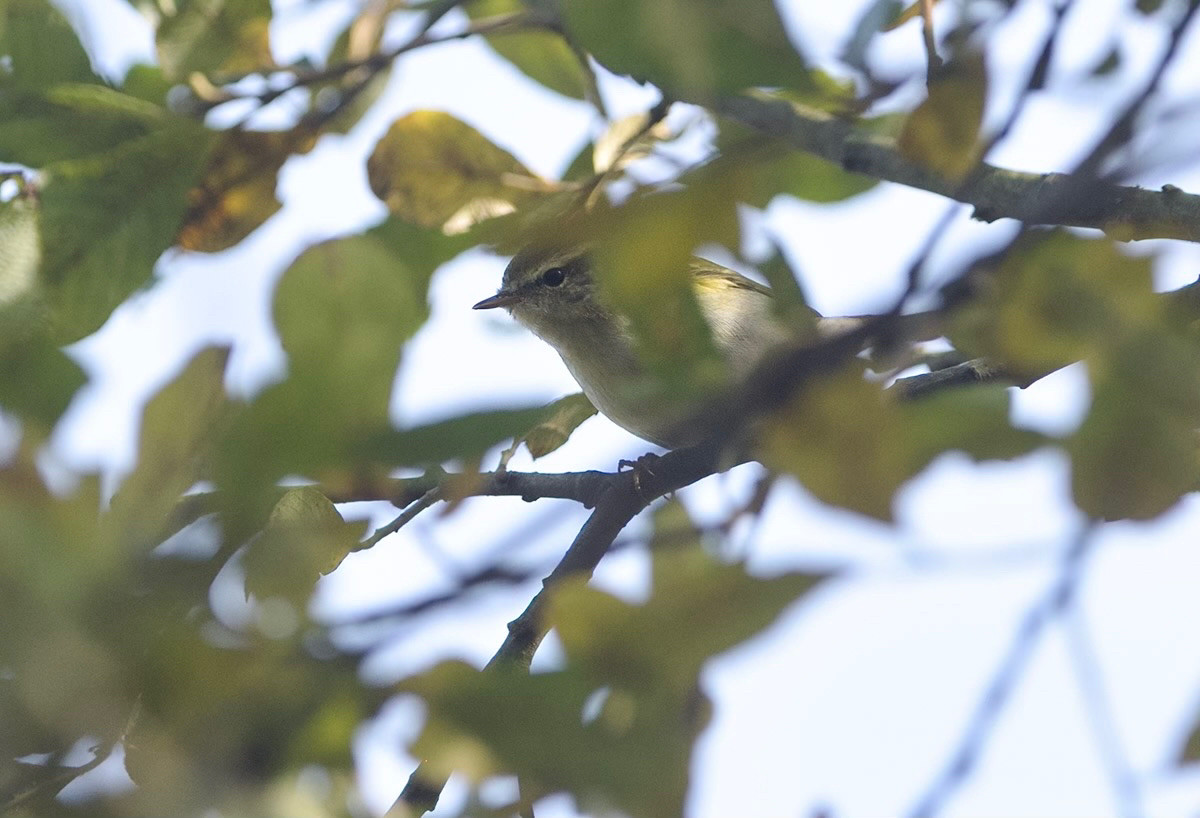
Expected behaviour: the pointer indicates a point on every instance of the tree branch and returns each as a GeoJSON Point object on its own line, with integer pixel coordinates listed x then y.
{"type": "Point", "coordinates": [1123, 212]}
{"type": "Point", "coordinates": [968, 372]}
{"type": "Point", "coordinates": [374, 63]}
{"type": "Point", "coordinates": [624, 496]}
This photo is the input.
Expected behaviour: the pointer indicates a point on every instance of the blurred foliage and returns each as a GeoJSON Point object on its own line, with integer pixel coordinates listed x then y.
{"type": "Point", "coordinates": [768, 167]}
{"type": "Point", "coordinates": [305, 538]}
{"type": "Point", "coordinates": [689, 48]}
{"type": "Point", "coordinates": [562, 418]}
{"type": "Point", "coordinates": [437, 171]}
{"type": "Point", "coordinates": [211, 36]}
{"type": "Point", "coordinates": [1058, 298]}
{"type": "Point", "coordinates": [541, 55]}
{"type": "Point", "coordinates": [943, 132]}
{"type": "Point", "coordinates": [121, 632]}
{"type": "Point", "coordinates": [236, 193]}
{"type": "Point", "coordinates": [628, 702]}
{"type": "Point", "coordinates": [860, 459]}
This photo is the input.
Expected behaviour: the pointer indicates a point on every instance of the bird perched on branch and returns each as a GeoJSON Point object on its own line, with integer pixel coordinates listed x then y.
{"type": "Point", "coordinates": [553, 293]}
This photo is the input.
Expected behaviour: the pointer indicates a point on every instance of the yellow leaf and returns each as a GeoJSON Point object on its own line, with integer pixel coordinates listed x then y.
{"type": "Point", "coordinates": [942, 134]}
{"type": "Point", "coordinates": [437, 171]}
{"type": "Point", "coordinates": [562, 418]}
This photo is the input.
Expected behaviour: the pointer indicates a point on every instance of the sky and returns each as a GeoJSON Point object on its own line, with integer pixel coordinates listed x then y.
{"type": "Point", "coordinates": [854, 699]}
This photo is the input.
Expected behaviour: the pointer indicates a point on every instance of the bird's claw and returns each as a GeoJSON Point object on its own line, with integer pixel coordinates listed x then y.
{"type": "Point", "coordinates": [642, 470]}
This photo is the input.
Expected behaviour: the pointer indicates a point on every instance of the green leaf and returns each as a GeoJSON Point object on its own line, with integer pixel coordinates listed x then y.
{"type": "Point", "coordinates": [220, 722]}
{"type": "Point", "coordinates": [852, 446]}
{"type": "Point", "coordinates": [942, 134]}
{"type": "Point", "coordinates": [178, 431]}
{"type": "Point", "coordinates": [1056, 298]}
{"type": "Point", "coordinates": [117, 172]}
{"type": "Point", "coordinates": [481, 724]}
{"type": "Point", "coordinates": [343, 310]}
{"type": "Point", "coordinates": [147, 82]}
{"type": "Point", "coordinates": [842, 439]}
{"type": "Point", "coordinates": [465, 437]}
{"type": "Point", "coordinates": [673, 526]}
{"type": "Point", "coordinates": [39, 129]}
{"type": "Point", "coordinates": [689, 48]}
{"type": "Point", "coordinates": [788, 299]}
{"type": "Point", "coordinates": [812, 178]}
{"type": "Point", "coordinates": [644, 268]}
{"type": "Point", "coordinates": [437, 171]}
{"type": "Point", "coordinates": [208, 36]}
{"type": "Point", "coordinates": [826, 92]}
{"type": "Point", "coordinates": [1136, 453]}
{"type": "Point", "coordinates": [43, 48]}
{"type": "Point", "coordinates": [543, 56]}
{"type": "Point", "coordinates": [20, 238]}
{"type": "Point", "coordinates": [969, 419]}
{"type": "Point", "coordinates": [107, 218]}
{"type": "Point", "coordinates": [37, 381]}
{"type": "Point", "coordinates": [632, 756]}
{"type": "Point", "coordinates": [699, 607]}
{"type": "Point", "coordinates": [766, 168]}
{"type": "Point", "coordinates": [305, 539]}
{"type": "Point", "coordinates": [561, 418]}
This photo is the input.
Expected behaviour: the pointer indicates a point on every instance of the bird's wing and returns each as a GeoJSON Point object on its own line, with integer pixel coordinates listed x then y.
{"type": "Point", "coordinates": [710, 274]}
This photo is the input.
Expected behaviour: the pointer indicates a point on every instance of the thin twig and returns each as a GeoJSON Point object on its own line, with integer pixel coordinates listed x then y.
{"type": "Point", "coordinates": [1090, 677]}
{"type": "Point", "coordinates": [407, 516]}
{"type": "Point", "coordinates": [966, 373]}
{"type": "Point", "coordinates": [374, 63]}
{"type": "Point", "coordinates": [626, 495]}
{"type": "Point", "coordinates": [54, 776]}
{"type": "Point", "coordinates": [1121, 130]}
{"type": "Point", "coordinates": [933, 61]}
{"type": "Point", "coordinates": [1045, 609]}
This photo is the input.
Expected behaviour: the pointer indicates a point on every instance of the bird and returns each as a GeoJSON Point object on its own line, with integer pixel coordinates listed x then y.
{"type": "Point", "coordinates": [553, 293]}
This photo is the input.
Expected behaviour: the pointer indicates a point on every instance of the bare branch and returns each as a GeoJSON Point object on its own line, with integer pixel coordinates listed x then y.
{"type": "Point", "coordinates": [968, 372]}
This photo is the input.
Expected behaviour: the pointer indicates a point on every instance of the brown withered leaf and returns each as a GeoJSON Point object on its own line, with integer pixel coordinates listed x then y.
{"type": "Point", "coordinates": [237, 191]}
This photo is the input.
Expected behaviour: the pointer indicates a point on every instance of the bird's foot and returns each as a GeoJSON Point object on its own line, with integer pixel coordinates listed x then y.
{"type": "Point", "coordinates": [643, 471]}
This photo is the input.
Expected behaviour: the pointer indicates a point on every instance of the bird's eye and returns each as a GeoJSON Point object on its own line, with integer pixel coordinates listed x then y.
{"type": "Point", "coordinates": [554, 276]}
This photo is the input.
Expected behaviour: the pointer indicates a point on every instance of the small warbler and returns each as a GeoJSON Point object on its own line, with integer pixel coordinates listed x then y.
{"type": "Point", "coordinates": [553, 294]}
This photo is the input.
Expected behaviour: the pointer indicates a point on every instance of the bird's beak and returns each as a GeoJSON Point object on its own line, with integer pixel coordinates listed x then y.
{"type": "Point", "coordinates": [500, 299]}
